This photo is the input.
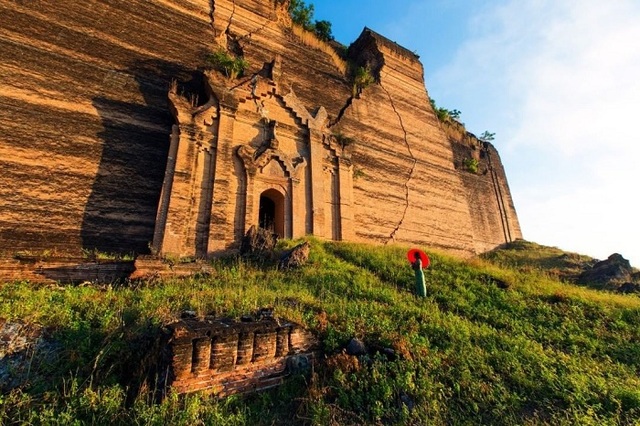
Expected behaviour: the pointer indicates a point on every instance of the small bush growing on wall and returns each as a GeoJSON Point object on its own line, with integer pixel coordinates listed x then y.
{"type": "Point", "coordinates": [487, 136]}
{"type": "Point", "coordinates": [359, 173]}
{"type": "Point", "coordinates": [343, 140]}
{"type": "Point", "coordinates": [362, 78]}
{"type": "Point", "coordinates": [471, 164]}
{"type": "Point", "coordinates": [445, 115]}
{"type": "Point", "coordinates": [455, 114]}
{"type": "Point", "coordinates": [323, 30]}
{"type": "Point", "coordinates": [230, 66]}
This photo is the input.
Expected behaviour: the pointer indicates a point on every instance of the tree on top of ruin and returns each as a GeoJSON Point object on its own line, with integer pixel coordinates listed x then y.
{"type": "Point", "coordinates": [302, 14]}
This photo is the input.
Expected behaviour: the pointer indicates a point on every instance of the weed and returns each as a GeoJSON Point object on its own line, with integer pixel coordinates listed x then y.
{"type": "Point", "coordinates": [97, 255]}
{"type": "Point", "coordinates": [358, 173]}
{"type": "Point", "coordinates": [362, 78]}
{"type": "Point", "coordinates": [471, 165]}
{"type": "Point", "coordinates": [230, 66]}
{"type": "Point", "coordinates": [343, 140]}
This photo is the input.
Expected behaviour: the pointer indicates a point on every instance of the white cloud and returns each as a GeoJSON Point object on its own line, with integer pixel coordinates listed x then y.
{"type": "Point", "coordinates": [581, 79]}
{"type": "Point", "coordinates": [559, 83]}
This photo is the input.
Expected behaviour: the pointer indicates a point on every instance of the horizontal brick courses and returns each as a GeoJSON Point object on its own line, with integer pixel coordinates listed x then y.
{"type": "Point", "coordinates": [227, 357]}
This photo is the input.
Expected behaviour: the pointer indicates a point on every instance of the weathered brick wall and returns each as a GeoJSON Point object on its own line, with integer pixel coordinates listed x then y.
{"type": "Point", "coordinates": [69, 270]}
{"type": "Point", "coordinates": [225, 357]}
{"type": "Point", "coordinates": [87, 127]}
{"type": "Point", "coordinates": [85, 117]}
{"type": "Point", "coordinates": [493, 213]}
{"type": "Point", "coordinates": [404, 158]}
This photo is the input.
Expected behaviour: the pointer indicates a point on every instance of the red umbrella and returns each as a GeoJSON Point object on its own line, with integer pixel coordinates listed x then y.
{"type": "Point", "coordinates": [411, 255]}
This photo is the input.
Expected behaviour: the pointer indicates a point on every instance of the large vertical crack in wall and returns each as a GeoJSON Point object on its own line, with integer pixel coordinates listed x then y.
{"type": "Point", "coordinates": [502, 210]}
{"type": "Point", "coordinates": [341, 113]}
{"type": "Point", "coordinates": [264, 114]}
{"type": "Point", "coordinates": [392, 236]}
{"type": "Point", "coordinates": [256, 31]}
{"type": "Point", "coordinates": [227, 31]}
{"type": "Point", "coordinates": [233, 12]}
{"type": "Point", "coordinates": [212, 10]}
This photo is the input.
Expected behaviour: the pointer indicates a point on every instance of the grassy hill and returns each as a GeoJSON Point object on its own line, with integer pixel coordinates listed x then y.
{"type": "Point", "coordinates": [500, 340]}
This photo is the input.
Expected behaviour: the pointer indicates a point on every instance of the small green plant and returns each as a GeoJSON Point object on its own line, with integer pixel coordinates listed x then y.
{"type": "Point", "coordinates": [443, 114]}
{"type": "Point", "coordinates": [30, 254]}
{"type": "Point", "coordinates": [343, 140]}
{"type": "Point", "coordinates": [471, 164]}
{"type": "Point", "coordinates": [487, 136]}
{"type": "Point", "coordinates": [176, 260]}
{"type": "Point", "coordinates": [94, 254]}
{"type": "Point", "coordinates": [362, 78]}
{"type": "Point", "coordinates": [455, 114]}
{"type": "Point", "coordinates": [358, 173]}
{"type": "Point", "coordinates": [232, 67]}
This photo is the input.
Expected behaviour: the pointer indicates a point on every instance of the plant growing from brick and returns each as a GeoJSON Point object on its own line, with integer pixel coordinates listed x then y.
{"type": "Point", "coordinates": [487, 136]}
{"type": "Point", "coordinates": [323, 30]}
{"type": "Point", "coordinates": [362, 78]}
{"type": "Point", "coordinates": [232, 67]}
{"type": "Point", "coordinates": [471, 164]}
{"type": "Point", "coordinates": [343, 140]}
{"type": "Point", "coordinates": [445, 115]}
{"type": "Point", "coordinates": [302, 14]}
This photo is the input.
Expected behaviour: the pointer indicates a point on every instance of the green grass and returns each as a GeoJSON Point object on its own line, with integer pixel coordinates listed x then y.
{"type": "Point", "coordinates": [531, 257]}
{"type": "Point", "coordinates": [540, 351]}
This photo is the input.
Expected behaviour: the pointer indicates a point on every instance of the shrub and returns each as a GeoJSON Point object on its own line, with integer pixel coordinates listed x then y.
{"type": "Point", "coordinates": [487, 136]}
{"type": "Point", "coordinates": [362, 78]}
{"type": "Point", "coordinates": [358, 173]}
{"type": "Point", "coordinates": [471, 164]}
{"type": "Point", "coordinates": [230, 66]}
{"type": "Point", "coordinates": [343, 140]}
{"type": "Point", "coordinates": [443, 114]}
{"type": "Point", "coordinates": [323, 30]}
{"type": "Point", "coordinates": [302, 14]}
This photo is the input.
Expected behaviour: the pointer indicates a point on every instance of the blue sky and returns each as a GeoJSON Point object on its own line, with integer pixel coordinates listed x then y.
{"type": "Point", "coordinates": [557, 81]}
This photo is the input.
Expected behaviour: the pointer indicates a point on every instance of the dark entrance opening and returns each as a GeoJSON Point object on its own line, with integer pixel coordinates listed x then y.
{"type": "Point", "coordinates": [267, 217]}
{"type": "Point", "coordinates": [271, 213]}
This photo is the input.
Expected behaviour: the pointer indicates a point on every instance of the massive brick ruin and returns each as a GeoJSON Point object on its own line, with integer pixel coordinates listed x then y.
{"type": "Point", "coordinates": [118, 136]}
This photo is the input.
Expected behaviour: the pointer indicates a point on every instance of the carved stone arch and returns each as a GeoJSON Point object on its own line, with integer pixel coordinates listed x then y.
{"type": "Point", "coordinates": [255, 161]}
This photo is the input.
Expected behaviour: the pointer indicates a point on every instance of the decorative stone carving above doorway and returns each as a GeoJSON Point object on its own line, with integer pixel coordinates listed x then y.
{"type": "Point", "coordinates": [250, 157]}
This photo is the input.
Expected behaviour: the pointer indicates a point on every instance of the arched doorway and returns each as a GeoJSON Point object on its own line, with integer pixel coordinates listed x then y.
{"type": "Point", "coordinates": [271, 212]}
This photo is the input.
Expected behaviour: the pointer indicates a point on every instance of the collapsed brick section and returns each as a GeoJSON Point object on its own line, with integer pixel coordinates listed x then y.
{"type": "Point", "coordinates": [224, 357]}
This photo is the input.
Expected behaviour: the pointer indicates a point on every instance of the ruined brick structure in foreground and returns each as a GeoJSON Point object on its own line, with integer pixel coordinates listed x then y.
{"type": "Point", "coordinates": [118, 135]}
{"type": "Point", "coordinates": [224, 357]}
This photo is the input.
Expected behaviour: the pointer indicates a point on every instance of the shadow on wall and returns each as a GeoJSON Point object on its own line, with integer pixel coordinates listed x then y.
{"type": "Point", "coordinates": [120, 213]}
